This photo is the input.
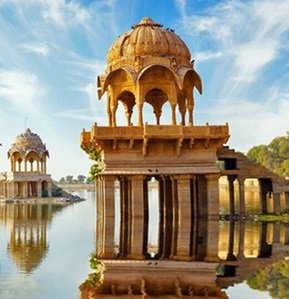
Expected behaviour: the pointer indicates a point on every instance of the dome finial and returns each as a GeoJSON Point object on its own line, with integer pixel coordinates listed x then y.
{"type": "Point", "coordinates": [147, 21]}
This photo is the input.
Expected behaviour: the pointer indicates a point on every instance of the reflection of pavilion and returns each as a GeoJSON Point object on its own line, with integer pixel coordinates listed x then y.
{"type": "Point", "coordinates": [242, 248]}
{"type": "Point", "coordinates": [27, 176]}
{"type": "Point", "coordinates": [245, 247]}
{"type": "Point", "coordinates": [27, 223]}
{"type": "Point", "coordinates": [152, 280]}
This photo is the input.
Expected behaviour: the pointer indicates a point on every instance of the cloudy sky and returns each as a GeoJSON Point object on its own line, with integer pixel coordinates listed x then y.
{"type": "Point", "coordinates": [52, 50]}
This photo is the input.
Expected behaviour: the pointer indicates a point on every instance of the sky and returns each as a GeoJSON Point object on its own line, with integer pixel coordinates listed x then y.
{"type": "Point", "coordinates": [52, 50]}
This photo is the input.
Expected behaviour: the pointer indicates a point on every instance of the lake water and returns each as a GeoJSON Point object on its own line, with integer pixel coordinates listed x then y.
{"type": "Point", "coordinates": [44, 249]}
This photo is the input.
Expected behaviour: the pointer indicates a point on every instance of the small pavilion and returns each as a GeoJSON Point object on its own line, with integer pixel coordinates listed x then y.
{"type": "Point", "coordinates": [27, 176]}
{"type": "Point", "coordinates": [150, 68]}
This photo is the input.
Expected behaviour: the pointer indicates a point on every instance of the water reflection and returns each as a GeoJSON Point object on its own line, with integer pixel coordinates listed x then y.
{"type": "Point", "coordinates": [238, 249]}
{"type": "Point", "coordinates": [27, 225]}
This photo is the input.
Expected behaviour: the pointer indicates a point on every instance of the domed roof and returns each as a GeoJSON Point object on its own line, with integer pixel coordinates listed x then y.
{"type": "Point", "coordinates": [148, 39]}
{"type": "Point", "coordinates": [27, 142]}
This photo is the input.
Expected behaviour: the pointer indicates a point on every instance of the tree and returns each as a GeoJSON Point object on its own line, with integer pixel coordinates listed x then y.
{"type": "Point", "coordinates": [62, 180]}
{"type": "Point", "coordinates": [262, 155]}
{"type": "Point", "coordinates": [274, 279]}
{"type": "Point", "coordinates": [88, 180]}
{"type": "Point", "coordinates": [274, 156]}
{"type": "Point", "coordinates": [81, 178]}
{"type": "Point", "coordinates": [69, 179]}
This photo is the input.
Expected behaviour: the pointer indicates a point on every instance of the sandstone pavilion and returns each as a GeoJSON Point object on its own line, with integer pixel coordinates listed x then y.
{"type": "Point", "coordinates": [27, 176]}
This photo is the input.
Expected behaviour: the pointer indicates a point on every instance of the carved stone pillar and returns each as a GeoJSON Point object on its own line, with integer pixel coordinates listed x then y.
{"type": "Point", "coordinates": [231, 256]}
{"type": "Point", "coordinates": [125, 211]}
{"type": "Point", "coordinates": [195, 215]}
{"type": "Point", "coordinates": [161, 217]}
{"type": "Point", "coordinates": [137, 217]}
{"type": "Point", "coordinates": [39, 189]}
{"type": "Point", "coordinates": [106, 217]}
{"type": "Point", "coordinates": [265, 186]}
{"type": "Point", "coordinates": [276, 233]}
{"type": "Point", "coordinates": [173, 107]}
{"type": "Point", "coordinates": [276, 203]}
{"type": "Point", "coordinates": [184, 218]}
{"type": "Point", "coordinates": [168, 217]}
{"type": "Point", "coordinates": [231, 179]}
{"type": "Point", "coordinates": [241, 239]}
{"type": "Point", "coordinates": [99, 216]}
{"type": "Point", "coordinates": [213, 196]}
{"type": "Point", "coordinates": [49, 188]}
{"type": "Point", "coordinates": [286, 237]}
{"type": "Point", "coordinates": [265, 250]}
{"type": "Point", "coordinates": [12, 190]}
{"type": "Point", "coordinates": [190, 107]}
{"type": "Point", "coordinates": [212, 240]}
{"type": "Point", "coordinates": [286, 194]}
{"type": "Point", "coordinates": [25, 189]}
{"type": "Point", "coordinates": [242, 209]}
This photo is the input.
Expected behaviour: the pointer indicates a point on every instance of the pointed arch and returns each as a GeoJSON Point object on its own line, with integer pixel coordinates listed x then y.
{"type": "Point", "coordinates": [161, 66]}
{"type": "Point", "coordinates": [103, 83]}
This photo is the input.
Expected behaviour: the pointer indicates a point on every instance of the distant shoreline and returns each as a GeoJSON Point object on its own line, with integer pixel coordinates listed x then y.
{"type": "Point", "coordinates": [75, 186]}
{"type": "Point", "coordinates": [36, 200]}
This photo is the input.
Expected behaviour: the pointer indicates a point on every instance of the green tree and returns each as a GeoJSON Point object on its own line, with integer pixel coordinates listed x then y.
{"type": "Point", "coordinates": [81, 178]}
{"type": "Point", "coordinates": [274, 156]}
{"type": "Point", "coordinates": [62, 180]}
{"type": "Point", "coordinates": [262, 155]}
{"type": "Point", "coordinates": [274, 279]}
{"type": "Point", "coordinates": [88, 180]}
{"type": "Point", "coordinates": [69, 179]}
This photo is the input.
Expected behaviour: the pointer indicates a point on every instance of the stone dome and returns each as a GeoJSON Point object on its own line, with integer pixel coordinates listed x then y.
{"type": "Point", "coordinates": [148, 39]}
{"type": "Point", "coordinates": [27, 142]}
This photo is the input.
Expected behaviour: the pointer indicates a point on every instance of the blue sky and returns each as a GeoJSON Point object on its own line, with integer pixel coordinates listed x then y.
{"type": "Point", "coordinates": [52, 50]}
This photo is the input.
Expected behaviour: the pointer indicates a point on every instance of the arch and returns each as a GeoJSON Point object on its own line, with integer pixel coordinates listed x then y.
{"type": "Point", "coordinates": [119, 81]}
{"type": "Point", "coordinates": [189, 73]}
{"type": "Point", "coordinates": [162, 66]}
{"type": "Point", "coordinates": [127, 98]}
{"type": "Point", "coordinates": [16, 159]}
{"type": "Point", "coordinates": [31, 153]}
{"type": "Point", "coordinates": [33, 161]}
{"type": "Point", "coordinates": [105, 82]}
{"type": "Point", "coordinates": [156, 97]}
{"type": "Point", "coordinates": [18, 164]}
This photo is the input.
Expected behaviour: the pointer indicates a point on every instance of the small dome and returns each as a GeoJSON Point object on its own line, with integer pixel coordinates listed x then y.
{"type": "Point", "coordinates": [148, 39]}
{"type": "Point", "coordinates": [27, 142]}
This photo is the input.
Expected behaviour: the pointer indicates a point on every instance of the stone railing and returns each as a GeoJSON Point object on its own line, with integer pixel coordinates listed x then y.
{"type": "Point", "coordinates": [165, 131]}
{"type": "Point", "coordinates": [154, 131]}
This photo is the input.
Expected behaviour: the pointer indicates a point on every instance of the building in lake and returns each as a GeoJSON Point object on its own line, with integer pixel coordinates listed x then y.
{"type": "Point", "coordinates": [27, 176]}
{"type": "Point", "coordinates": [149, 69]}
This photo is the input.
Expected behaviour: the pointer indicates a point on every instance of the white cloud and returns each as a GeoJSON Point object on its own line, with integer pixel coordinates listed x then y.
{"type": "Point", "coordinates": [207, 55]}
{"type": "Point", "coordinates": [63, 12]}
{"type": "Point", "coordinates": [80, 114]}
{"type": "Point", "coordinates": [19, 87]}
{"type": "Point", "coordinates": [251, 58]}
{"type": "Point", "coordinates": [36, 48]}
{"type": "Point", "coordinates": [251, 122]}
{"type": "Point", "coordinates": [250, 34]}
